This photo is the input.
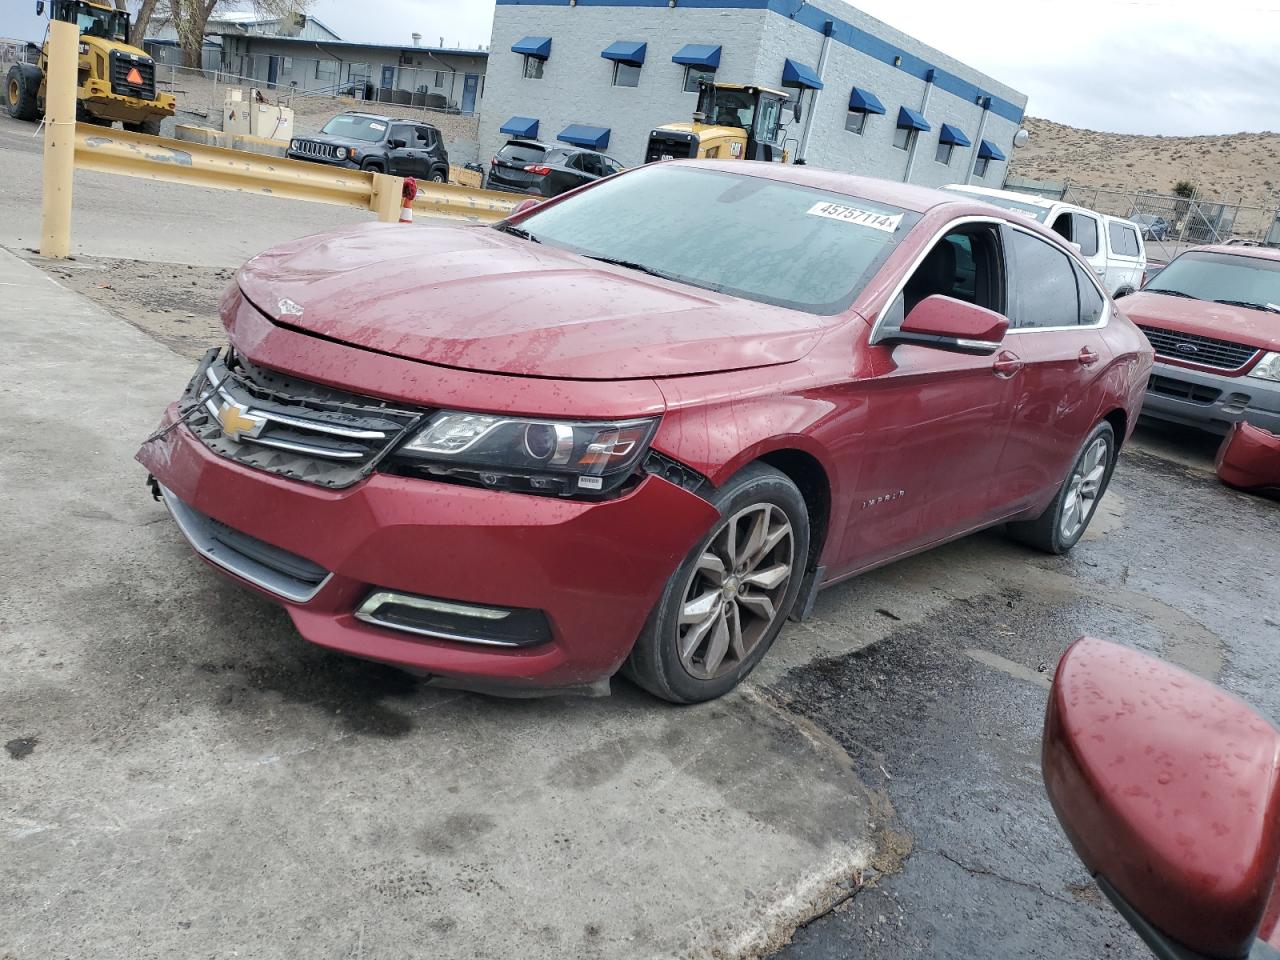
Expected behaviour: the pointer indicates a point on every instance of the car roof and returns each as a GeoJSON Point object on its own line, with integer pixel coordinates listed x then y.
{"type": "Point", "coordinates": [1034, 199]}
{"type": "Point", "coordinates": [381, 119]}
{"type": "Point", "coordinates": [905, 195]}
{"type": "Point", "coordinates": [1239, 250]}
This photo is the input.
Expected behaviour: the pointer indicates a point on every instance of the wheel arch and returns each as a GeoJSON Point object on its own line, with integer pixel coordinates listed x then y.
{"type": "Point", "coordinates": [810, 476]}
{"type": "Point", "coordinates": [1119, 421]}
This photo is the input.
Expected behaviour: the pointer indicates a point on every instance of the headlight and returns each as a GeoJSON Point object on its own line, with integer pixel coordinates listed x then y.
{"type": "Point", "coordinates": [293, 144]}
{"type": "Point", "coordinates": [1268, 368]}
{"type": "Point", "coordinates": [341, 153]}
{"type": "Point", "coordinates": [537, 456]}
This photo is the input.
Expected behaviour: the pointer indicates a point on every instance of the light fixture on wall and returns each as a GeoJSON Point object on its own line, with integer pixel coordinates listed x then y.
{"type": "Point", "coordinates": [897, 61]}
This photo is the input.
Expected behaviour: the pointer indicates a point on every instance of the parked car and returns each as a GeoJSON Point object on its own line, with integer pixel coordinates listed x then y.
{"type": "Point", "coordinates": [1213, 316]}
{"type": "Point", "coordinates": [638, 425]}
{"type": "Point", "coordinates": [366, 141]}
{"type": "Point", "coordinates": [1167, 787]}
{"type": "Point", "coordinates": [546, 170]}
{"type": "Point", "coordinates": [1112, 246]}
{"type": "Point", "coordinates": [1153, 226]}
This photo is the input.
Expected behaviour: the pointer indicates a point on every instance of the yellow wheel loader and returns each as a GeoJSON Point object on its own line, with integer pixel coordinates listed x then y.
{"type": "Point", "coordinates": [732, 122]}
{"type": "Point", "coordinates": [115, 80]}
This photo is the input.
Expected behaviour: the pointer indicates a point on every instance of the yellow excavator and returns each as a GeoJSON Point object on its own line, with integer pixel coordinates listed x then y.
{"type": "Point", "coordinates": [115, 81]}
{"type": "Point", "coordinates": [733, 122]}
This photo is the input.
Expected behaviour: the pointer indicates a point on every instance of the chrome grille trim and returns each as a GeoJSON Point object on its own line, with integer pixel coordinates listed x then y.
{"type": "Point", "coordinates": [1202, 351]}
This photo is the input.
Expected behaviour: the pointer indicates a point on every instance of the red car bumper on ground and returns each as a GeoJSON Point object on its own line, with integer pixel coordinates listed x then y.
{"type": "Point", "coordinates": [594, 570]}
{"type": "Point", "coordinates": [1250, 459]}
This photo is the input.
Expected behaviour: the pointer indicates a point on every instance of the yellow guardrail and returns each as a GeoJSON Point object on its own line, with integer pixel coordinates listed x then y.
{"type": "Point", "coordinates": [185, 161]}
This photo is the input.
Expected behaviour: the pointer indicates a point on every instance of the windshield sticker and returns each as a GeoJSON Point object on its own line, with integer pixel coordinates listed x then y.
{"type": "Point", "coordinates": [377, 126]}
{"type": "Point", "coordinates": [866, 218]}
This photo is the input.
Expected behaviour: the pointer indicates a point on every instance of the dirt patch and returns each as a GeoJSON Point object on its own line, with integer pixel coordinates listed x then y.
{"type": "Point", "coordinates": [175, 303]}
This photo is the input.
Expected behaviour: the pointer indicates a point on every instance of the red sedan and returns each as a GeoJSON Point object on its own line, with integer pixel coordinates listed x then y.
{"type": "Point", "coordinates": [639, 425]}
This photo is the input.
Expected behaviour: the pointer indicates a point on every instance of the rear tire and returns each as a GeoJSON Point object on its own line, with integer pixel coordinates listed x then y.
{"type": "Point", "coordinates": [1065, 520]}
{"type": "Point", "coordinates": [21, 86]}
{"type": "Point", "coordinates": [439, 176]}
{"type": "Point", "coordinates": [725, 604]}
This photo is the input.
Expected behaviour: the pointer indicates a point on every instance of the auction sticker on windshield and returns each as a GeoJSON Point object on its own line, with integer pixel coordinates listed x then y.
{"type": "Point", "coordinates": [867, 218]}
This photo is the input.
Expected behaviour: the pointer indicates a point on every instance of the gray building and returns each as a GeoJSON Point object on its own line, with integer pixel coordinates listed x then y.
{"type": "Point", "coordinates": [875, 101]}
{"type": "Point", "coordinates": [436, 77]}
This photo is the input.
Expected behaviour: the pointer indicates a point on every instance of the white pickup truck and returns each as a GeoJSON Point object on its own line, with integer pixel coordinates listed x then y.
{"type": "Point", "coordinates": [1113, 246]}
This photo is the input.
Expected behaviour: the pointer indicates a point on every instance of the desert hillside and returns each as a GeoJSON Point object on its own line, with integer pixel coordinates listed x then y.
{"type": "Point", "coordinates": [1240, 167]}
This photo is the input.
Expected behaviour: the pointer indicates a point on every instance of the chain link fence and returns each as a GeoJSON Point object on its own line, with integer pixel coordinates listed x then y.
{"type": "Point", "coordinates": [1170, 224]}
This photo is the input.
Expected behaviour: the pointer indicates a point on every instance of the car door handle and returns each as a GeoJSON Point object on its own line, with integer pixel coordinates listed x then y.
{"type": "Point", "coordinates": [1087, 357]}
{"type": "Point", "coordinates": [1007, 364]}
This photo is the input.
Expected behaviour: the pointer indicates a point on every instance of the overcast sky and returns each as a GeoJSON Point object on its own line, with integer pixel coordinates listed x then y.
{"type": "Point", "coordinates": [1127, 66]}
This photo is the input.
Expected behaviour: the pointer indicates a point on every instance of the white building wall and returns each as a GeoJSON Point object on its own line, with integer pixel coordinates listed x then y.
{"type": "Point", "coordinates": [576, 86]}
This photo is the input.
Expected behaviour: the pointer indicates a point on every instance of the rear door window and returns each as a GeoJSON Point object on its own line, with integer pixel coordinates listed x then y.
{"type": "Point", "coordinates": [1124, 239]}
{"type": "Point", "coordinates": [427, 137]}
{"type": "Point", "coordinates": [1046, 293]}
{"type": "Point", "coordinates": [1085, 230]}
{"type": "Point", "coordinates": [1091, 301]}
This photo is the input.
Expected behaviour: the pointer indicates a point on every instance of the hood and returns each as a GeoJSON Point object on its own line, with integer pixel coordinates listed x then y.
{"type": "Point", "coordinates": [1254, 328]}
{"type": "Point", "coordinates": [105, 46]}
{"type": "Point", "coordinates": [478, 299]}
{"type": "Point", "coordinates": [332, 141]}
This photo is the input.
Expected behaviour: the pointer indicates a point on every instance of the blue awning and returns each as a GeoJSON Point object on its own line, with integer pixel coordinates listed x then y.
{"type": "Point", "coordinates": [989, 151]}
{"type": "Point", "coordinates": [625, 51]}
{"type": "Point", "coordinates": [798, 75]}
{"type": "Point", "coordinates": [580, 135]}
{"type": "Point", "coordinates": [703, 55]}
{"type": "Point", "coordinates": [950, 134]}
{"type": "Point", "coordinates": [911, 120]}
{"type": "Point", "coordinates": [539, 47]}
{"type": "Point", "coordinates": [526, 127]}
{"type": "Point", "coordinates": [866, 101]}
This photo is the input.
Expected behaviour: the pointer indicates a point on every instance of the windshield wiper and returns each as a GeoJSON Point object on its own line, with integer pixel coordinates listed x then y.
{"type": "Point", "coordinates": [1267, 307]}
{"type": "Point", "coordinates": [632, 265]}
{"type": "Point", "coordinates": [517, 232]}
{"type": "Point", "coordinates": [1172, 293]}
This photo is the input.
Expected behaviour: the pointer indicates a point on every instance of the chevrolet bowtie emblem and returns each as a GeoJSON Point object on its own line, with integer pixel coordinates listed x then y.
{"type": "Point", "coordinates": [237, 422]}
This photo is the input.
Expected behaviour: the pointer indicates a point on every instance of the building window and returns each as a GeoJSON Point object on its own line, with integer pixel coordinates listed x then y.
{"type": "Point", "coordinates": [625, 74]}
{"type": "Point", "coordinates": [532, 68]}
{"type": "Point", "coordinates": [904, 138]}
{"type": "Point", "coordinates": [944, 152]}
{"type": "Point", "coordinates": [440, 77]}
{"type": "Point", "coordinates": [327, 71]}
{"type": "Point", "coordinates": [693, 74]}
{"type": "Point", "coordinates": [856, 122]}
{"type": "Point", "coordinates": [980, 168]}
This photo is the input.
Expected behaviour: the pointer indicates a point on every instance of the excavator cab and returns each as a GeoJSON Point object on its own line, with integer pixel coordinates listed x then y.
{"type": "Point", "coordinates": [731, 122]}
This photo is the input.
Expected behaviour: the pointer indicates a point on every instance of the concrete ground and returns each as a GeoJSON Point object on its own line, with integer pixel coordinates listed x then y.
{"type": "Point", "coordinates": [184, 776]}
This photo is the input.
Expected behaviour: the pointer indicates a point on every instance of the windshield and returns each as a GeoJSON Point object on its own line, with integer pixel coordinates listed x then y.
{"type": "Point", "coordinates": [733, 108]}
{"type": "Point", "coordinates": [356, 128]}
{"type": "Point", "coordinates": [1226, 277]}
{"type": "Point", "coordinates": [751, 237]}
{"type": "Point", "coordinates": [1030, 209]}
{"type": "Point", "coordinates": [107, 24]}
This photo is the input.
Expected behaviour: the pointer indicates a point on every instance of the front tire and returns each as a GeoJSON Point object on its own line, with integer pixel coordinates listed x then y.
{"type": "Point", "coordinates": [1065, 520]}
{"type": "Point", "coordinates": [21, 86]}
{"type": "Point", "coordinates": [726, 603]}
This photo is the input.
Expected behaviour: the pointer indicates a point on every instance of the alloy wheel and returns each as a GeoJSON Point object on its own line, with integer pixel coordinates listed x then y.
{"type": "Point", "coordinates": [1084, 488]}
{"type": "Point", "coordinates": [736, 591]}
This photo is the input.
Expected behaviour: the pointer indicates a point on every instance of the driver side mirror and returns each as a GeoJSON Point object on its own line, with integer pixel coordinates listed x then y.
{"type": "Point", "coordinates": [1167, 787]}
{"type": "Point", "coordinates": [39, 8]}
{"type": "Point", "coordinates": [395, 143]}
{"type": "Point", "coordinates": [950, 324]}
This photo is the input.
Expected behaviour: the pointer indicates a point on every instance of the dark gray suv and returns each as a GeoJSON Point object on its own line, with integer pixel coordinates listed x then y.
{"type": "Point", "coordinates": [365, 141]}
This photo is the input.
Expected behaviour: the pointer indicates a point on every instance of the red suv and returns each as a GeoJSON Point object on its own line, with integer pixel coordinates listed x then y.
{"type": "Point", "coordinates": [639, 425]}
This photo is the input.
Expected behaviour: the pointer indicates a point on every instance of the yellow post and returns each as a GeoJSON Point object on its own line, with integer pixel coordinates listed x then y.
{"type": "Point", "coordinates": [59, 139]}
{"type": "Point", "coordinates": [385, 199]}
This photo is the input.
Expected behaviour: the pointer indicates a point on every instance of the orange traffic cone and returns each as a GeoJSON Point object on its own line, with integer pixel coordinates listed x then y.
{"type": "Point", "coordinates": [406, 203]}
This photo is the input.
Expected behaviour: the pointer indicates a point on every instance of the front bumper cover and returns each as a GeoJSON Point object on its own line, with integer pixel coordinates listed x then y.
{"type": "Point", "coordinates": [1249, 399]}
{"type": "Point", "coordinates": [595, 569]}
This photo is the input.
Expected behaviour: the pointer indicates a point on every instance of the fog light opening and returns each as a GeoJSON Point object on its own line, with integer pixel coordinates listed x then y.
{"type": "Point", "coordinates": [455, 620]}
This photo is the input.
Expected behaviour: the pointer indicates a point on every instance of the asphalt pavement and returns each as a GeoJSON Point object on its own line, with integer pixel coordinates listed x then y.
{"type": "Point", "coordinates": [184, 776]}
